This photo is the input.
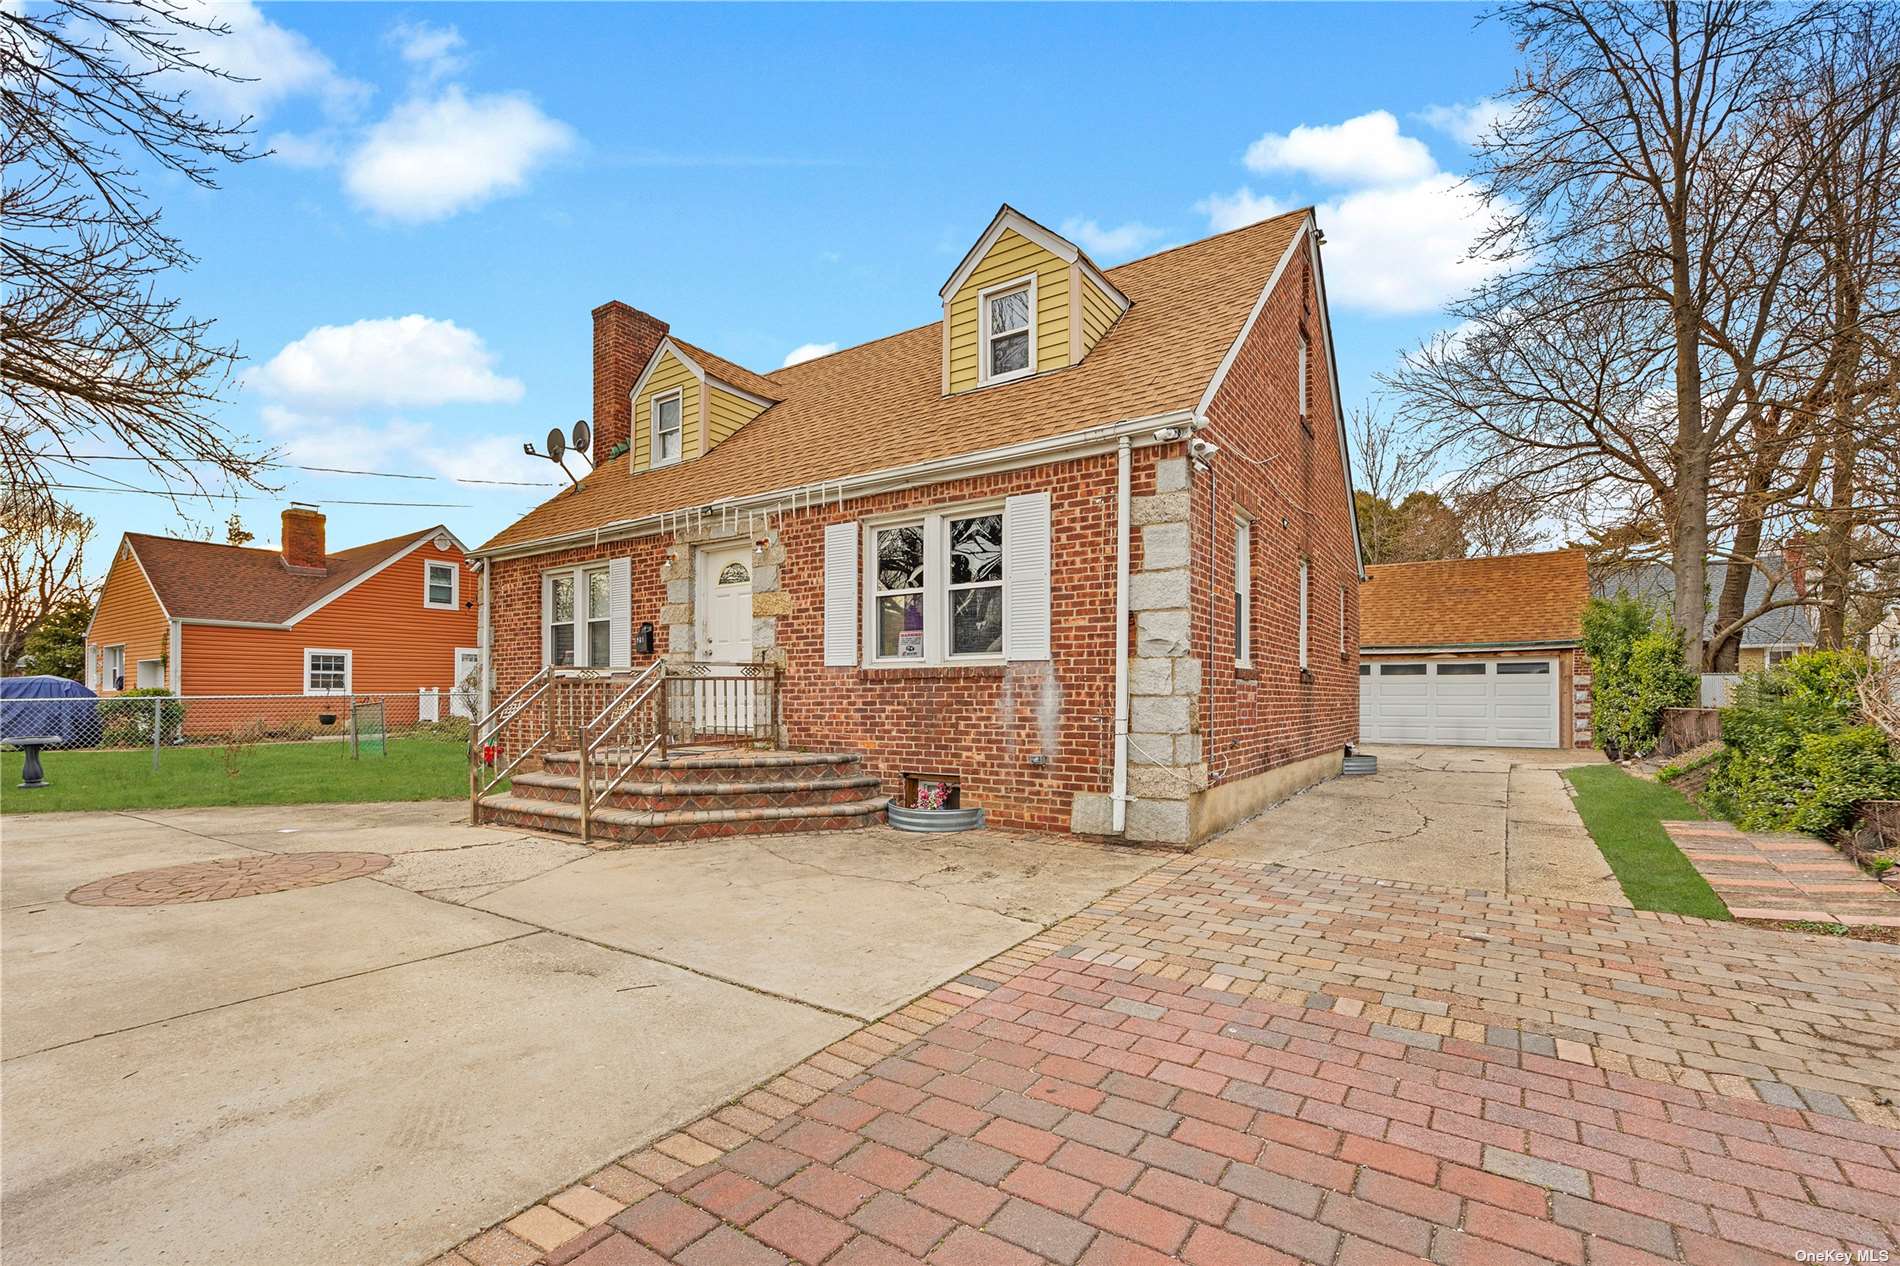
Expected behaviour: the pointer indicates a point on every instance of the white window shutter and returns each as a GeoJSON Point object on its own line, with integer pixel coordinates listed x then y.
{"type": "Point", "coordinates": [1026, 577]}
{"type": "Point", "coordinates": [547, 618]}
{"type": "Point", "coordinates": [841, 595]}
{"type": "Point", "coordinates": [620, 603]}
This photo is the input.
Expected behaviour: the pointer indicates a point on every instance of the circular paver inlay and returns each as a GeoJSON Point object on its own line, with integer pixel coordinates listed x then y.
{"type": "Point", "coordinates": [226, 878]}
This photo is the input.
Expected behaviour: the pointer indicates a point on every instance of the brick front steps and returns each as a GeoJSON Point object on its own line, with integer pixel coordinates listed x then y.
{"type": "Point", "coordinates": [695, 795]}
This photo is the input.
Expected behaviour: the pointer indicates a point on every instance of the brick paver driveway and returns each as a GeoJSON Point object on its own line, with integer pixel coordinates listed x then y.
{"type": "Point", "coordinates": [1232, 1062]}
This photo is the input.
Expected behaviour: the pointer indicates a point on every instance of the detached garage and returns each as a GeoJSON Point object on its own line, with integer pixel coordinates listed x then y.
{"type": "Point", "coordinates": [1476, 652]}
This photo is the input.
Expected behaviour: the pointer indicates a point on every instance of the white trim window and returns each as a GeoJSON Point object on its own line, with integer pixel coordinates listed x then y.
{"type": "Point", "coordinates": [669, 426]}
{"type": "Point", "coordinates": [1006, 329]}
{"type": "Point", "coordinates": [151, 673]}
{"type": "Point", "coordinates": [1342, 620]}
{"type": "Point", "coordinates": [441, 585]}
{"type": "Point", "coordinates": [1775, 655]}
{"type": "Point", "coordinates": [1243, 592]}
{"type": "Point", "coordinates": [577, 617]}
{"type": "Point", "coordinates": [112, 672]}
{"type": "Point", "coordinates": [326, 671]}
{"type": "Point", "coordinates": [1306, 577]}
{"type": "Point", "coordinates": [935, 588]}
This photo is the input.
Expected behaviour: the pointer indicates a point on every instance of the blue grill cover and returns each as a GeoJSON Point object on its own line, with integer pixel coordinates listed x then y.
{"type": "Point", "coordinates": [42, 706]}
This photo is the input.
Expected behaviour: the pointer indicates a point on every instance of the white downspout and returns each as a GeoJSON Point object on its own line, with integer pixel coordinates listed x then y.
{"type": "Point", "coordinates": [1118, 797]}
{"type": "Point", "coordinates": [484, 644]}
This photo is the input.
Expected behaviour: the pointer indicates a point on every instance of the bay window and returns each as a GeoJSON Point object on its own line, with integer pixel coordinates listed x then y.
{"type": "Point", "coordinates": [936, 588]}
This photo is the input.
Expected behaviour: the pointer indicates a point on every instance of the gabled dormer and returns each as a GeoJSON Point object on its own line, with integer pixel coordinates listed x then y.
{"type": "Point", "coordinates": [1024, 301]}
{"type": "Point", "coordinates": [687, 400]}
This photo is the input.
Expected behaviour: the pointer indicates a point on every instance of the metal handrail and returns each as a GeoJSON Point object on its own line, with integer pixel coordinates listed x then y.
{"type": "Point", "coordinates": [654, 678]}
{"type": "Point", "coordinates": [475, 732]}
{"type": "Point", "coordinates": [513, 705]}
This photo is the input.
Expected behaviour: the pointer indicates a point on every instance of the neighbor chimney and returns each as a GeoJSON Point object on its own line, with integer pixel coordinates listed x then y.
{"type": "Point", "coordinates": [624, 339]}
{"type": "Point", "coordinates": [1795, 555]}
{"type": "Point", "coordinates": [303, 541]}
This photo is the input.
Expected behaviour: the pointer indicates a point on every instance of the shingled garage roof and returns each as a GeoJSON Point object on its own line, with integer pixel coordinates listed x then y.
{"type": "Point", "coordinates": [1517, 600]}
{"type": "Point", "coordinates": [881, 405]}
{"type": "Point", "coordinates": [196, 580]}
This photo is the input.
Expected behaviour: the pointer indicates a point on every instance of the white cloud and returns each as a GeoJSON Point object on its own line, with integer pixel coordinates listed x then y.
{"type": "Point", "coordinates": [269, 64]}
{"type": "Point", "coordinates": [394, 362]}
{"type": "Point", "coordinates": [1239, 209]}
{"type": "Point", "coordinates": [1467, 122]}
{"type": "Point", "coordinates": [1397, 251]}
{"type": "Point", "coordinates": [434, 50]}
{"type": "Point", "coordinates": [808, 351]}
{"type": "Point", "coordinates": [434, 157]}
{"type": "Point", "coordinates": [1117, 243]}
{"type": "Point", "coordinates": [1367, 150]}
{"type": "Point", "coordinates": [303, 149]}
{"type": "Point", "coordinates": [406, 446]}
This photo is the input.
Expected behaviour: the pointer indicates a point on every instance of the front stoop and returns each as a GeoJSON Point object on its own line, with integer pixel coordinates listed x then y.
{"type": "Point", "coordinates": [694, 796]}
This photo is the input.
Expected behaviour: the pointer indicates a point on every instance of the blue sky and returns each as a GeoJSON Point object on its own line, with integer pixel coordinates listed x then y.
{"type": "Point", "coordinates": [456, 186]}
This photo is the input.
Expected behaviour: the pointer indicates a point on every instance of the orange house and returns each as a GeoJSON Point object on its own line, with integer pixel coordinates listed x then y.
{"type": "Point", "coordinates": [391, 617]}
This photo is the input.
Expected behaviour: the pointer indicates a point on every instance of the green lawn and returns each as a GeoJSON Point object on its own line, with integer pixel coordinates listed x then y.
{"type": "Point", "coordinates": [269, 773]}
{"type": "Point", "coordinates": [1625, 817]}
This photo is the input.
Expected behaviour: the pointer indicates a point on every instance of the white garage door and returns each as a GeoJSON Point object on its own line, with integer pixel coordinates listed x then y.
{"type": "Point", "coordinates": [1478, 702]}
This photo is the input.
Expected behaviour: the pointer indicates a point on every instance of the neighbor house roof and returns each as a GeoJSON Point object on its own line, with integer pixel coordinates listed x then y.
{"type": "Point", "coordinates": [881, 404]}
{"type": "Point", "coordinates": [1515, 600]}
{"type": "Point", "coordinates": [1783, 626]}
{"type": "Point", "coordinates": [197, 580]}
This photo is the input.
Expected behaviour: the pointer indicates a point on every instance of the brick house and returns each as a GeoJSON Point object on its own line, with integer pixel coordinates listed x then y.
{"type": "Point", "coordinates": [1476, 652]}
{"type": "Point", "coordinates": [390, 617]}
{"type": "Point", "coordinates": [1082, 549]}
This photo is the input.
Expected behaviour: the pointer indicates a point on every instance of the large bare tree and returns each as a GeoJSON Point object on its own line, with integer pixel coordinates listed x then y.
{"type": "Point", "coordinates": [95, 100]}
{"type": "Point", "coordinates": [1658, 218]}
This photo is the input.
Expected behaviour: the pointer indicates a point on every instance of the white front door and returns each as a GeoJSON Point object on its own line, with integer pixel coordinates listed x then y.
{"type": "Point", "coordinates": [724, 706]}
{"type": "Point", "coordinates": [468, 685]}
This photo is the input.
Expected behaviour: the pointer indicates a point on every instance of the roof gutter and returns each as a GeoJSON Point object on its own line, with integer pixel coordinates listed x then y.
{"type": "Point", "coordinates": [1102, 439]}
{"type": "Point", "coordinates": [1445, 647]}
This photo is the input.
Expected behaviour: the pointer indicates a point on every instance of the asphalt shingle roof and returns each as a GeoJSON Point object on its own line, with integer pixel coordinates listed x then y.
{"type": "Point", "coordinates": [1518, 598]}
{"type": "Point", "coordinates": [198, 580]}
{"type": "Point", "coordinates": [1784, 626]}
{"type": "Point", "coordinates": [881, 404]}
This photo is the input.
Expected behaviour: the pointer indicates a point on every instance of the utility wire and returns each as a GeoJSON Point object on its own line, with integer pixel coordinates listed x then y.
{"type": "Point", "coordinates": [212, 496]}
{"type": "Point", "coordinates": [327, 470]}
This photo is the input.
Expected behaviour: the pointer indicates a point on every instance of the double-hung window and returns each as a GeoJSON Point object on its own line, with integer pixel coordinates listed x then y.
{"type": "Point", "coordinates": [1342, 619]}
{"type": "Point", "coordinates": [937, 588]}
{"type": "Point", "coordinates": [580, 618]}
{"type": "Point", "coordinates": [440, 585]}
{"type": "Point", "coordinates": [113, 672]}
{"type": "Point", "coordinates": [326, 672]}
{"type": "Point", "coordinates": [1243, 592]}
{"type": "Point", "coordinates": [1007, 320]}
{"type": "Point", "coordinates": [667, 427]}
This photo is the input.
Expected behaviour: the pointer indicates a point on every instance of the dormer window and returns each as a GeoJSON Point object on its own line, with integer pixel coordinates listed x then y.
{"type": "Point", "coordinates": [1009, 330]}
{"type": "Point", "coordinates": [666, 428]}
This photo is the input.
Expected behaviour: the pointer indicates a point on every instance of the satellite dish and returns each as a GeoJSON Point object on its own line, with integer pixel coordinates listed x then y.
{"type": "Point", "coordinates": [557, 443]}
{"type": "Point", "coordinates": [583, 436]}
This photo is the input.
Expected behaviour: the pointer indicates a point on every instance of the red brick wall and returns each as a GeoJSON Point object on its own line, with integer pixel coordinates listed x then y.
{"type": "Point", "coordinates": [624, 341]}
{"type": "Point", "coordinates": [982, 724]}
{"type": "Point", "coordinates": [1277, 471]}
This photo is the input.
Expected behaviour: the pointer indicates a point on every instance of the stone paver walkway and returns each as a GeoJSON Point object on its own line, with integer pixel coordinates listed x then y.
{"type": "Point", "coordinates": [1762, 876]}
{"type": "Point", "coordinates": [1231, 1062]}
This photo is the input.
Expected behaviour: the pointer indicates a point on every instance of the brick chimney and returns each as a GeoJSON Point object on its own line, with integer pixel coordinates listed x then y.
{"type": "Point", "coordinates": [303, 541]}
{"type": "Point", "coordinates": [1795, 556]}
{"type": "Point", "coordinates": [624, 339]}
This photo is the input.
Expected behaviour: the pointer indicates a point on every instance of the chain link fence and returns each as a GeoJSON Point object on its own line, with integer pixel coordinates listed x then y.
{"type": "Point", "coordinates": [353, 725]}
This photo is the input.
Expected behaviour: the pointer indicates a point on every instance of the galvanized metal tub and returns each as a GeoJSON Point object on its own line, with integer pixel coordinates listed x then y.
{"type": "Point", "coordinates": [1359, 764]}
{"type": "Point", "coordinates": [933, 819]}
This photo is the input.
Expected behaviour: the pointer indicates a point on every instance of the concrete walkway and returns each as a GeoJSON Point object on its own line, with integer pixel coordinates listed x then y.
{"type": "Point", "coordinates": [371, 1070]}
{"type": "Point", "coordinates": [1238, 1063]}
{"type": "Point", "coordinates": [1794, 877]}
{"type": "Point", "coordinates": [1500, 819]}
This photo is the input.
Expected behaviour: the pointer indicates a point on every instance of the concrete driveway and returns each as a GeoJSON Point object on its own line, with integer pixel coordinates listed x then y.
{"type": "Point", "coordinates": [1499, 819]}
{"type": "Point", "coordinates": [370, 1070]}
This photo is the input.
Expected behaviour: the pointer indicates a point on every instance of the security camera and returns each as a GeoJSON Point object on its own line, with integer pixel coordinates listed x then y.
{"type": "Point", "coordinates": [1202, 450]}
{"type": "Point", "coordinates": [1168, 434]}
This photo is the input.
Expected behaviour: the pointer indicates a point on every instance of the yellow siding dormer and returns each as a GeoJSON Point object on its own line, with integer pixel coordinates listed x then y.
{"type": "Point", "coordinates": [687, 400]}
{"type": "Point", "coordinates": [1024, 301]}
